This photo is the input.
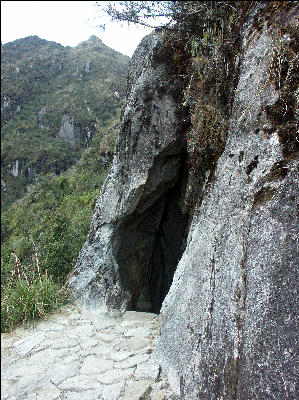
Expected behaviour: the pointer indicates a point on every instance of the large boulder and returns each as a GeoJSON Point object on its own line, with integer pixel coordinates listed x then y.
{"type": "Point", "coordinates": [120, 266]}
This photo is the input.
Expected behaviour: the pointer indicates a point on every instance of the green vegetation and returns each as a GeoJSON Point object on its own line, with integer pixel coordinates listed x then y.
{"type": "Point", "coordinates": [284, 74]}
{"type": "Point", "coordinates": [28, 297]}
{"type": "Point", "coordinates": [46, 88]}
{"type": "Point", "coordinates": [51, 183]}
{"type": "Point", "coordinates": [202, 39]}
{"type": "Point", "coordinates": [55, 217]}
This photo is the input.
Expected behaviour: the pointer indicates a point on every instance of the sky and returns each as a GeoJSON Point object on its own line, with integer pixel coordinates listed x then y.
{"type": "Point", "coordinates": [67, 23]}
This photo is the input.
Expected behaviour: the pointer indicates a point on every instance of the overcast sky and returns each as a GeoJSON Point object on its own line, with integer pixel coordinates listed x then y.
{"type": "Point", "coordinates": [66, 22]}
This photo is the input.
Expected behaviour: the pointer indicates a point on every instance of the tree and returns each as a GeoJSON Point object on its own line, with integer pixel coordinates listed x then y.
{"type": "Point", "coordinates": [143, 13]}
{"type": "Point", "coordinates": [187, 16]}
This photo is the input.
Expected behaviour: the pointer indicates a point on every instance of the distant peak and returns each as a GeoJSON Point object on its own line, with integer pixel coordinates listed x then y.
{"type": "Point", "coordinates": [94, 38]}
{"type": "Point", "coordinates": [93, 41]}
{"type": "Point", "coordinates": [29, 43]}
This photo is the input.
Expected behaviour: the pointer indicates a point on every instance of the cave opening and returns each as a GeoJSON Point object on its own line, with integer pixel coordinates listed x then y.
{"type": "Point", "coordinates": [168, 248]}
{"type": "Point", "coordinates": [151, 246]}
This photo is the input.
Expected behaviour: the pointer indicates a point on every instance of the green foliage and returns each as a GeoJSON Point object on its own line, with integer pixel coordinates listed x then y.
{"type": "Point", "coordinates": [284, 74]}
{"type": "Point", "coordinates": [212, 126]}
{"type": "Point", "coordinates": [28, 296]}
{"type": "Point", "coordinates": [56, 216]}
{"type": "Point", "coordinates": [213, 46]}
{"type": "Point", "coordinates": [42, 83]}
{"type": "Point", "coordinates": [56, 213]}
{"type": "Point", "coordinates": [209, 31]}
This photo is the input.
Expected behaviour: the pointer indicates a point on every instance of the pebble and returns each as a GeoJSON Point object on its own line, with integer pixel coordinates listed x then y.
{"type": "Point", "coordinates": [79, 354]}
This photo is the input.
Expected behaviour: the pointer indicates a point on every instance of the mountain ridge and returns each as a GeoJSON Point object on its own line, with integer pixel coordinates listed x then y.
{"type": "Point", "coordinates": [53, 101]}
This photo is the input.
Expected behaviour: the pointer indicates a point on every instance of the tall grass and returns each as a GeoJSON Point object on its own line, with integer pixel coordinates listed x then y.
{"type": "Point", "coordinates": [28, 295]}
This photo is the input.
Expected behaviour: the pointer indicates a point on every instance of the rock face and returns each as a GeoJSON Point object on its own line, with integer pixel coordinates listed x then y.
{"type": "Point", "coordinates": [9, 108]}
{"type": "Point", "coordinates": [137, 230]}
{"type": "Point", "coordinates": [67, 131]}
{"type": "Point", "coordinates": [228, 320]}
{"type": "Point", "coordinates": [73, 134]}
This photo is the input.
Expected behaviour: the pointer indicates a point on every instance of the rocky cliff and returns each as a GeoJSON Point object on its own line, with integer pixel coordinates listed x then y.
{"type": "Point", "coordinates": [54, 101]}
{"type": "Point", "coordinates": [223, 266]}
{"type": "Point", "coordinates": [133, 223]}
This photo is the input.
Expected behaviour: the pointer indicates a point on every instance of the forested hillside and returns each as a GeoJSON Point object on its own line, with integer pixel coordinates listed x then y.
{"type": "Point", "coordinates": [54, 100]}
{"type": "Point", "coordinates": [60, 112]}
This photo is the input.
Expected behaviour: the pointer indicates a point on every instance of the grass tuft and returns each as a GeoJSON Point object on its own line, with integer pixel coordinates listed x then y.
{"type": "Point", "coordinates": [28, 298]}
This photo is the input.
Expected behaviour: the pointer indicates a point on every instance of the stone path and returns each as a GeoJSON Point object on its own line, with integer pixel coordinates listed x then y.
{"type": "Point", "coordinates": [78, 354]}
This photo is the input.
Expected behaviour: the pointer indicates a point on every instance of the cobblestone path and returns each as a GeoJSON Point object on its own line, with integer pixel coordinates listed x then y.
{"type": "Point", "coordinates": [77, 354]}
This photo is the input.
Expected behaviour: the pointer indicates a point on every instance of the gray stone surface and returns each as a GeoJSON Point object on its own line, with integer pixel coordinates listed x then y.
{"type": "Point", "coordinates": [112, 392]}
{"type": "Point", "coordinates": [136, 390]}
{"type": "Point", "coordinates": [49, 392]}
{"type": "Point", "coordinates": [94, 365]}
{"type": "Point", "coordinates": [85, 394]}
{"type": "Point", "coordinates": [137, 316]}
{"type": "Point", "coordinates": [106, 337]}
{"type": "Point", "coordinates": [120, 355]}
{"type": "Point", "coordinates": [25, 346]}
{"type": "Point", "coordinates": [62, 371]}
{"type": "Point", "coordinates": [70, 367]}
{"type": "Point", "coordinates": [132, 361]}
{"type": "Point", "coordinates": [115, 375]}
{"type": "Point", "coordinates": [67, 130]}
{"type": "Point", "coordinates": [80, 382]}
{"type": "Point", "coordinates": [228, 318]}
{"type": "Point", "coordinates": [228, 321]}
{"type": "Point", "coordinates": [133, 344]}
{"type": "Point", "coordinates": [157, 395]}
{"type": "Point", "coordinates": [114, 266]}
{"type": "Point", "coordinates": [147, 370]}
{"type": "Point", "coordinates": [140, 332]}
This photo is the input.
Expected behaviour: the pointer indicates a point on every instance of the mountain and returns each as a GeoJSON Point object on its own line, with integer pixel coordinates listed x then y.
{"type": "Point", "coordinates": [197, 219]}
{"type": "Point", "coordinates": [54, 100]}
{"type": "Point", "coordinates": [60, 118]}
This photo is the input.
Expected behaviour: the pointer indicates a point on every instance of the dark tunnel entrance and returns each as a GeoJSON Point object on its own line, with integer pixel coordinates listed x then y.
{"type": "Point", "coordinates": [150, 248]}
{"type": "Point", "coordinates": [168, 248]}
